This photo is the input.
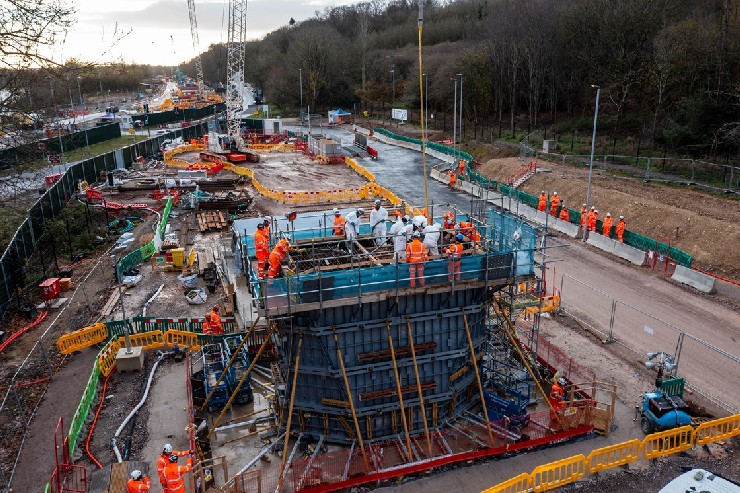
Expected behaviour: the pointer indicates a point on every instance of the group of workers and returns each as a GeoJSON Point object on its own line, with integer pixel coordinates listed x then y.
{"type": "Point", "coordinates": [212, 324]}
{"type": "Point", "coordinates": [589, 218]}
{"type": "Point", "coordinates": [171, 474]}
{"type": "Point", "coordinates": [453, 173]}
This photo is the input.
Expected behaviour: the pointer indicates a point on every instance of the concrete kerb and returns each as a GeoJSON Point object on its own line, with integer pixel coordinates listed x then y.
{"type": "Point", "coordinates": [695, 279]}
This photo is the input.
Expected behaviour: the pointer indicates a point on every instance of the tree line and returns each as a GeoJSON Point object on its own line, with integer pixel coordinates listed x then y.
{"type": "Point", "coordinates": [668, 69]}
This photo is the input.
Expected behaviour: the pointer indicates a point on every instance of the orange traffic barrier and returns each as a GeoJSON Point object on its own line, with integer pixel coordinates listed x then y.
{"type": "Point", "coordinates": [668, 442]}
{"type": "Point", "coordinates": [147, 340]}
{"type": "Point", "coordinates": [518, 484]}
{"type": "Point", "coordinates": [82, 338]}
{"type": "Point", "coordinates": [183, 339]}
{"type": "Point", "coordinates": [107, 357]}
{"type": "Point", "coordinates": [718, 429]}
{"type": "Point", "coordinates": [558, 473]}
{"type": "Point", "coordinates": [613, 456]}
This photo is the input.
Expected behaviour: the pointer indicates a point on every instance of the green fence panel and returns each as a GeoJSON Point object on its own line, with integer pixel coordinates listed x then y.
{"type": "Point", "coordinates": [149, 324]}
{"type": "Point", "coordinates": [117, 328]}
{"type": "Point", "coordinates": [78, 420]}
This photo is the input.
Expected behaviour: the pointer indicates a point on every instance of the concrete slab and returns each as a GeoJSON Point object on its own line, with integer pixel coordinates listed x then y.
{"type": "Point", "coordinates": [601, 242]}
{"type": "Point", "coordinates": [632, 254]}
{"type": "Point", "coordinates": [131, 359]}
{"type": "Point", "coordinates": [695, 279]}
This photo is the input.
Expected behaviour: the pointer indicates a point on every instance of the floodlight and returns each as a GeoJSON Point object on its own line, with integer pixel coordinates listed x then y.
{"type": "Point", "coordinates": [650, 364]}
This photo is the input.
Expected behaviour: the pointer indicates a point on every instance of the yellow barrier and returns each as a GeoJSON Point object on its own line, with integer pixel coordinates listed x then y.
{"type": "Point", "coordinates": [719, 429]}
{"type": "Point", "coordinates": [359, 169]}
{"type": "Point", "coordinates": [668, 442]}
{"type": "Point", "coordinates": [107, 358]}
{"type": "Point", "coordinates": [186, 340]}
{"type": "Point", "coordinates": [82, 338]}
{"type": "Point", "coordinates": [147, 340]}
{"type": "Point", "coordinates": [558, 473]}
{"type": "Point", "coordinates": [272, 147]}
{"type": "Point", "coordinates": [518, 484]}
{"type": "Point", "coordinates": [613, 456]}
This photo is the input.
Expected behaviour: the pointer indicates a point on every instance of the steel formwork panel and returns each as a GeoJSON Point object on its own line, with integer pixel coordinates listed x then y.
{"type": "Point", "coordinates": [442, 356]}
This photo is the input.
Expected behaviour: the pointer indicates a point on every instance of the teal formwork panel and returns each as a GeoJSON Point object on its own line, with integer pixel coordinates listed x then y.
{"type": "Point", "coordinates": [437, 326]}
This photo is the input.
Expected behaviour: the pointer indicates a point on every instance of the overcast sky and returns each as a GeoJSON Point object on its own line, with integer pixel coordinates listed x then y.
{"type": "Point", "coordinates": [153, 25]}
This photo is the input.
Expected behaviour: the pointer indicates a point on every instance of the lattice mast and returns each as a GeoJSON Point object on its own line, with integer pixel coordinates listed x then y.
{"type": "Point", "coordinates": [235, 68]}
{"type": "Point", "coordinates": [196, 48]}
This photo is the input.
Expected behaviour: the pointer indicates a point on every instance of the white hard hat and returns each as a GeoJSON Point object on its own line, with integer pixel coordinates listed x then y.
{"type": "Point", "coordinates": [377, 202]}
{"type": "Point", "coordinates": [406, 218]}
{"type": "Point", "coordinates": [543, 191]}
{"type": "Point", "coordinates": [596, 211]}
{"type": "Point", "coordinates": [167, 449]}
{"type": "Point", "coordinates": [360, 210]}
{"type": "Point", "coordinates": [554, 193]}
{"type": "Point", "coordinates": [621, 217]}
{"type": "Point", "coordinates": [608, 214]}
{"type": "Point", "coordinates": [562, 381]}
{"type": "Point", "coordinates": [135, 474]}
{"type": "Point", "coordinates": [593, 208]}
{"type": "Point", "coordinates": [584, 205]}
{"type": "Point", "coordinates": [335, 211]}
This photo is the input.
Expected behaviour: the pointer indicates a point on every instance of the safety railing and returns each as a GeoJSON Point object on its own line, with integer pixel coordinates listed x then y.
{"type": "Point", "coordinates": [146, 251]}
{"type": "Point", "coordinates": [559, 473]}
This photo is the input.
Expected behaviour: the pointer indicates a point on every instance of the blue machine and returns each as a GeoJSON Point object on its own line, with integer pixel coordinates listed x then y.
{"type": "Point", "coordinates": [660, 411]}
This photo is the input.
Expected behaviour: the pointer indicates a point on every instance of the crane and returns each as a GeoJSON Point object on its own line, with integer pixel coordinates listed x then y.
{"type": "Point", "coordinates": [196, 48]}
{"type": "Point", "coordinates": [232, 146]}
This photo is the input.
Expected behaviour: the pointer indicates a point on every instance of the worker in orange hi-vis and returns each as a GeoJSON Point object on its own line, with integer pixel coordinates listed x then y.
{"type": "Point", "coordinates": [138, 483]}
{"type": "Point", "coordinates": [593, 221]}
{"type": "Point", "coordinates": [564, 213]}
{"type": "Point", "coordinates": [261, 249]}
{"type": "Point", "coordinates": [461, 168]}
{"type": "Point", "coordinates": [449, 220]}
{"type": "Point", "coordinates": [453, 179]}
{"type": "Point", "coordinates": [175, 475]}
{"type": "Point", "coordinates": [206, 330]}
{"type": "Point", "coordinates": [620, 229]}
{"type": "Point", "coordinates": [554, 204]}
{"type": "Point", "coordinates": [216, 326]}
{"type": "Point", "coordinates": [607, 224]}
{"type": "Point", "coordinates": [584, 209]}
{"type": "Point", "coordinates": [542, 202]}
{"type": "Point", "coordinates": [590, 219]}
{"type": "Point", "coordinates": [164, 459]}
{"type": "Point", "coordinates": [454, 252]}
{"type": "Point", "coordinates": [416, 254]}
{"type": "Point", "coordinates": [339, 221]}
{"type": "Point", "coordinates": [557, 396]}
{"type": "Point", "coordinates": [277, 255]}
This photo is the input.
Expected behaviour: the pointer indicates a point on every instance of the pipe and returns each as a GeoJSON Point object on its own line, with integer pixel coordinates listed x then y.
{"type": "Point", "coordinates": [256, 459]}
{"type": "Point", "coordinates": [92, 426]}
{"type": "Point", "coordinates": [146, 305]}
{"type": "Point", "coordinates": [160, 355]}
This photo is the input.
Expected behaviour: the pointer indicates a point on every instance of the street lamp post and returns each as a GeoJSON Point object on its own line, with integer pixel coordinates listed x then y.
{"type": "Point", "coordinates": [591, 162]}
{"type": "Point", "coordinates": [300, 84]}
{"type": "Point", "coordinates": [454, 123]}
{"type": "Point", "coordinates": [459, 120]}
{"type": "Point", "coordinates": [393, 84]}
{"type": "Point", "coordinates": [79, 91]}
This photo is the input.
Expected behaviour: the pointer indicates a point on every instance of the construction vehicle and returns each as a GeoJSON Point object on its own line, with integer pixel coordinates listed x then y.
{"type": "Point", "coordinates": [660, 411]}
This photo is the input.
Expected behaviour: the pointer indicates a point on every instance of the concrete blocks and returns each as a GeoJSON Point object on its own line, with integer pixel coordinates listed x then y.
{"type": "Point", "coordinates": [130, 362]}
{"type": "Point", "coordinates": [628, 253]}
{"type": "Point", "coordinates": [695, 279]}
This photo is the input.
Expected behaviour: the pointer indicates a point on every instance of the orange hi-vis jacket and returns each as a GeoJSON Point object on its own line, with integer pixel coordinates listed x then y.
{"type": "Point", "coordinates": [607, 226]}
{"type": "Point", "coordinates": [620, 229]}
{"type": "Point", "coordinates": [164, 459]}
{"type": "Point", "coordinates": [339, 225]}
{"type": "Point", "coordinates": [139, 485]}
{"type": "Point", "coordinates": [280, 250]}
{"type": "Point", "coordinates": [565, 214]}
{"type": "Point", "coordinates": [455, 251]}
{"type": "Point", "coordinates": [453, 178]}
{"type": "Point", "coordinates": [174, 475]}
{"type": "Point", "coordinates": [554, 203]}
{"type": "Point", "coordinates": [461, 167]}
{"type": "Point", "coordinates": [261, 245]}
{"type": "Point", "coordinates": [542, 203]}
{"type": "Point", "coordinates": [416, 252]}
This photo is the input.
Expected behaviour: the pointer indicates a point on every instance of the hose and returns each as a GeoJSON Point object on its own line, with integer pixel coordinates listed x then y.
{"type": "Point", "coordinates": [92, 426]}
{"type": "Point", "coordinates": [160, 355]}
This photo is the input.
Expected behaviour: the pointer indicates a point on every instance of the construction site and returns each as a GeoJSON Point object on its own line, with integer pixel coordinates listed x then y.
{"type": "Point", "coordinates": [264, 314]}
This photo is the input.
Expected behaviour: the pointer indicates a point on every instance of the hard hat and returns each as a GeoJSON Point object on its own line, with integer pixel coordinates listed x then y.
{"type": "Point", "coordinates": [136, 474]}
{"type": "Point", "coordinates": [377, 202]}
{"type": "Point", "coordinates": [596, 212]}
{"type": "Point", "coordinates": [360, 211]}
{"type": "Point", "coordinates": [459, 237]}
{"type": "Point", "coordinates": [593, 208]}
{"type": "Point", "coordinates": [621, 217]}
{"type": "Point", "coordinates": [173, 458]}
{"type": "Point", "coordinates": [449, 214]}
{"type": "Point", "coordinates": [584, 205]}
{"type": "Point", "coordinates": [417, 234]}
{"type": "Point", "coordinates": [335, 211]}
{"type": "Point", "coordinates": [261, 226]}
{"type": "Point", "coordinates": [543, 191]}
{"type": "Point", "coordinates": [167, 449]}
{"type": "Point", "coordinates": [215, 308]}
{"type": "Point", "coordinates": [562, 381]}
{"type": "Point", "coordinates": [608, 214]}
{"type": "Point", "coordinates": [554, 193]}
{"type": "Point", "coordinates": [406, 218]}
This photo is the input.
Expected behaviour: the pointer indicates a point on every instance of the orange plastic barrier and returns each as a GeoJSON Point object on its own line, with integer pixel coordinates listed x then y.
{"type": "Point", "coordinates": [518, 484]}
{"type": "Point", "coordinates": [718, 429]}
{"type": "Point", "coordinates": [107, 357]}
{"type": "Point", "coordinates": [82, 338]}
{"type": "Point", "coordinates": [147, 340]}
{"type": "Point", "coordinates": [613, 456]}
{"type": "Point", "coordinates": [188, 340]}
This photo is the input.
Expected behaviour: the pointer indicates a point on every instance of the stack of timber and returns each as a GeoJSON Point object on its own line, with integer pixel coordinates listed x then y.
{"type": "Point", "coordinates": [212, 221]}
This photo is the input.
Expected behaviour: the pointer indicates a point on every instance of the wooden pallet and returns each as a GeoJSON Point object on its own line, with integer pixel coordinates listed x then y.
{"type": "Point", "coordinates": [211, 221]}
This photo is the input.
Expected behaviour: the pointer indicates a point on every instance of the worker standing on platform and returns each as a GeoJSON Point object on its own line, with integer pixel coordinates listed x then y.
{"type": "Point", "coordinates": [261, 249]}
{"type": "Point", "coordinates": [174, 475]}
{"type": "Point", "coordinates": [557, 396]}
{"type": "Point", "coordinates": [449, 221]}
{"type": "Point", "coordinates": [416, 254]}
{"type": "Point", "coordinates": [564, 213]}
{"type": "Point", "coordinates": [352, 226]}
{"type": "Point", "coordinates": [378, 217]}
{"type": "Point", "coordinates": [454, 252]}
{"type": "Point", "coordinates": [164, 459]}
{"type": "Point", "coordinates": [266, 222]}
{"type": "Point", "coordinates": [206, 328]}
{"type": "Point", "coordinates": [431, 238]}
{"type": "Point", "coordinates": [338, 223]}
{"type": "Point", "coordinates": [138, 483]}
{"type": "Point", "coordinates": [419, 222]}
{"type": "Point", "coordinates": [554, 204]}
{"type": "Point", "coordinates": [398, 235]}
{"type": "Point", "coordinates": [542, 202]}
{"type": "Point", "coordinates": [216, 326]}
{"type": "Point", "coordinates": [277, 255]}
{"type": "Point", "coordinates": [453, 179]}
{"type": "Point", "coordinates": [607, 225]}
{"type": "Point", "coordinates": [620, 229]}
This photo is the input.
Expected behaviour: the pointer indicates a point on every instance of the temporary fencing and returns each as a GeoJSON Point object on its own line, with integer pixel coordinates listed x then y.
{"type": "Point", "coordinates": [619, 321]}
{"type": "Point", "coordinates": [146, 251]}
{"type": "Point", "coordinates": [559, 473]}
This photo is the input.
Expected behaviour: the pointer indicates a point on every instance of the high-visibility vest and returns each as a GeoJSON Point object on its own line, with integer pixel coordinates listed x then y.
{"type": "Point", "coordinates": [281, 249]}
{"type": "Point", "coordinates": [607, 225]}
{"type": "Point", "coordinates": [174, 477]}
{"type": "Point", "coordinates": [339, 225]}
{"type": "Point", "coordinates": [455, 251]}
{"type": "Point", "coordinates": [555, 201]}
{"type": "Point", "coordinates": [138, 485]}
{"type": "Point", "coordinates": [416, 251]}
{"type": "Point", "coordinates": [565, 214]}
{"type": "Point", "coordinates": [164, 459]}
{"type": "Point", "coordinates": [261, 245]}
{"type": "Point", "coordinates": [620, 227]}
